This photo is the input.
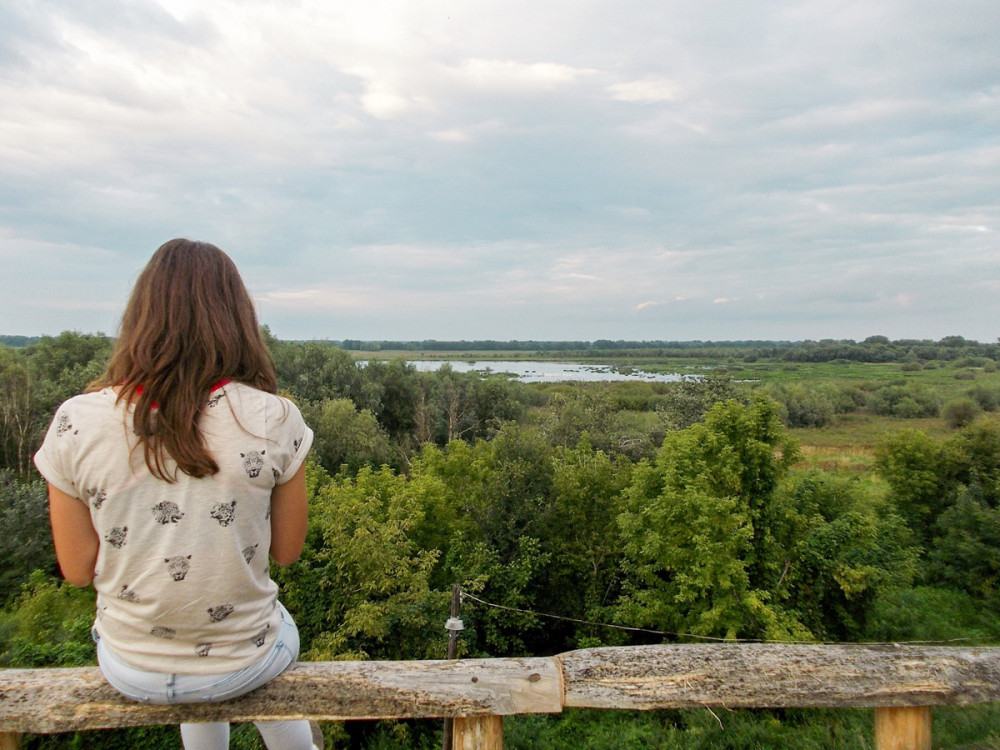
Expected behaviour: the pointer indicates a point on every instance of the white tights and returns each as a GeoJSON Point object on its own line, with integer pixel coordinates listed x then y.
{"type": "Point", "coordinates": [278, 735]}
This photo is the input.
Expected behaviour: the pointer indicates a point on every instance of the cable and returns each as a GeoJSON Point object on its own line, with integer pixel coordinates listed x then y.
{"type": "Point", "coordinates": [466, 595]}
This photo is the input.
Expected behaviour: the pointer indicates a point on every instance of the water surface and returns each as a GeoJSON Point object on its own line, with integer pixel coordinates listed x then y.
{"type": "Point", "coordinates": [528, 371]}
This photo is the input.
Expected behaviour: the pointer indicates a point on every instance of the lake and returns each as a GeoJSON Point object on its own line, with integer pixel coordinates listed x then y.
{"type": "Point", "coordinates": [548, 372]}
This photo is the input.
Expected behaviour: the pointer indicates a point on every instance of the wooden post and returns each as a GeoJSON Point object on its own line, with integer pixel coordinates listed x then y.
{"type": "Point", "coordinates": [478, 733]}
{"type": "Point", "coordinates": [10, 741]}
{"type": "Point", "coordinates": [453, 631]}
{"type": "Point", "coordinates": [903, 728]}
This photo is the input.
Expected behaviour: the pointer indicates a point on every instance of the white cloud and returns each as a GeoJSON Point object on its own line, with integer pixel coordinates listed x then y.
{"type": "Point", "coordinates": [646, 91]}
{"type": "Point", "coordinates": [518, 77]}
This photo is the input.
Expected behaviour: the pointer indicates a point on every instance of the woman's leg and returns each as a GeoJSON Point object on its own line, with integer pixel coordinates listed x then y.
{"type": "Point", "coordinates": [285, 735]}
{"type": "Point", "coordinates": [212, 735]}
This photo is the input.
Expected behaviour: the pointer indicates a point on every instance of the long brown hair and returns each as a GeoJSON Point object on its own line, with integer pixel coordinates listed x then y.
{"type": "Point", "coordinates": [189, 324]}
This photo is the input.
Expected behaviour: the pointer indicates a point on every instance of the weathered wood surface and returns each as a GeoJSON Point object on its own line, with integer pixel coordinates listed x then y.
{"type": "Point", "coordinates": [478, 733]}
{"type": "Point", "coordinates": [905, 728]}
{"type": "Point", "coordinates": [778, 676]}
{"type": "Point", "coordinates": [640, 677]}
{"type": "Point", "coordinates": [66, 700]}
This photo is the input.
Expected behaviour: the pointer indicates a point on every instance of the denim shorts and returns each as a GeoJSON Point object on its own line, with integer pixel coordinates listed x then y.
{"type": "Point", "coordinates": [161, 688]}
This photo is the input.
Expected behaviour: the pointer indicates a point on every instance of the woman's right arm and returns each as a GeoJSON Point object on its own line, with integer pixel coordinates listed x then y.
{"type": "Point", "coordinates": [74, 536]}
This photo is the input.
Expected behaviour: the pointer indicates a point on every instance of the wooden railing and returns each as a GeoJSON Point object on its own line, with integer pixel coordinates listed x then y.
{"type": "Point", "coordinates": [900, 682]}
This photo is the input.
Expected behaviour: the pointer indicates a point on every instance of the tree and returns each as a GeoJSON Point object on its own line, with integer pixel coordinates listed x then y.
{"type": "Point", "coordinates": [687, 401]}
{"type": "Point", "coordinates": [18, 420]}
{"type": "Point", "coordinates": [360, 589]}
{"type": "Point", "coordinates": [578, 531]}
{"type": "Point", "coordinates": [346, 438]}
{"type": "Point", "coordinates": [966, 554]}
{"type": "Point", "coordinates": [315, 371]}
{"type": "Point", "coordinates": [914, 466]}
{"type": "Point", "coordinates": [698, 550]}
{"type": "Point", "coordinates": [26, 544]}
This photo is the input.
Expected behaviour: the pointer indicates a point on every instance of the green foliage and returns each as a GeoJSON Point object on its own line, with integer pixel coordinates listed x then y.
{"type": "Point", "coordinates": [63, 366]}
{"type": "Point", "coordinates": [699, 554]}
{"type": "Point", "coordinates": [927, 613]}
{"type": "Point", "coordinates": [34, 381]}
{"type": "Point", "coordinates": [508, 628]}
{"type": "Point", "coordinates": [842, 549]}
{"type": "Point", "coordinates": [843, 729]}
{"type": "Point", "coordinates": [554, 499]}
{"type": "Point", "coordinates": [516, 488]}
{"type": "Point", "coordinates": [986, 396]}
{"type": "Point", "coordinates": [911, 463]}
{"type": "Point", "coordinates": [960, 412]}
{"type": "Point", "coordinates": [686, 401]}
{"type": "Point", "coordinates": [974, 460]}
{"type": "Point", "coordinates": [464, 406]}
{"type": "Point", "coordinates": [841, 567]}
{"type": "Point", "coordinates": [907, 400]}
{"type": "Point", "coordinates": [345, 438]}
{"type": "Point", "coordinates": [48, 625]}
{"type": "Point", "coordinates": [20, 426]}
{"type": "Point", "coordinates": [360, 589]}
{"type": "Point", "coordinates": [26, 544]}
{"type": "Point", "coordinates": [801, 405]}
{"type": "Point", "coordinates": [578, 531]}
{"type": "Point", "coordinates": [316, 371]}
{"type": "Point", "coordinates": [966, 553]}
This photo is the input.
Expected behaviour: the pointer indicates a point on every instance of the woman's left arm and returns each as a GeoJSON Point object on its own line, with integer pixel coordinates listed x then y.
{"type": "Point", "coordinates": [75, 538]}
{"type": "Point", "coordinates": [289, 518]}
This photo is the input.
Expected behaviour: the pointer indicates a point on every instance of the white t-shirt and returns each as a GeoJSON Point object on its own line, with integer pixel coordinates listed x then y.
{"type": "Point", "coordinates": [182, 573]}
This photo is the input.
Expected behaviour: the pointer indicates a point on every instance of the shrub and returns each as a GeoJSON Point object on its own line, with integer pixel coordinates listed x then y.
{"type": "Point", "coordinates": [908, 401]}
{"type": "Point", "coordinates": [48, 625]}
{"type": "Point", "coordinates": [988, 398]}
{"type": "Point", "coordinates": [26, 544]}
{"type": "Point", "coordinates": [802, 406]}
{"type": "Point", "coordinates": [960, 412]}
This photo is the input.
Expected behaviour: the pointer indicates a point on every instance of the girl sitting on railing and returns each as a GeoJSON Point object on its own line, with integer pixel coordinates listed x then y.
{"type": "Point", "coordinates": [171, 484]}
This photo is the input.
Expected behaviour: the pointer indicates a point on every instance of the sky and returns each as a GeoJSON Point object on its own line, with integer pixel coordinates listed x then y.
{"type": "Point", "coordinates": [511, 169]}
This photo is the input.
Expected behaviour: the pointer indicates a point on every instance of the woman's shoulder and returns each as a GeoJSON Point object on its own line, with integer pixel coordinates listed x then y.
{"type": "Point", "coordinates": [102, 400]}
{"type": "Point", "coordinates": [272, 405]}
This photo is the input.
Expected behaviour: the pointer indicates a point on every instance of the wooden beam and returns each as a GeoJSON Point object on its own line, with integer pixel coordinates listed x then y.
{"type": "Point", "coordinates": [641, 677]}
{"type": "Point", "coordinates": [10, 741]}
{"type": "Point", "coordinates": [66, 700]}
{"type": "Point", "coordinates": [903, 728]}
{"type": "Point", "coordinates": [778, 676]}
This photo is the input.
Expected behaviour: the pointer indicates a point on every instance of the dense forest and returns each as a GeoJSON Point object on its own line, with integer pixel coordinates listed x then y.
{"type": "Point", "coordinates": [830, 491]}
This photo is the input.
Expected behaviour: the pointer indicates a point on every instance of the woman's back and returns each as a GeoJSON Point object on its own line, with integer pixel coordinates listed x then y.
{"type": "Point", "coordinates": [182, 572]}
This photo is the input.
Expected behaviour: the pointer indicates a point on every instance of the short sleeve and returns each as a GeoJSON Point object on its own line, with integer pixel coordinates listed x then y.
{"type": "Point", "coordinates": [293, 438]}
{"type": "Point", "coordinates": [55, 458]}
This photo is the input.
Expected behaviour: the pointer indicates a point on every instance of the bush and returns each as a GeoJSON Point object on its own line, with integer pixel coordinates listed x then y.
{"type": "Point", "coordinates": [987, 397]}
{"type": "Point", "coordinates": [960, 412]}
{"type": "Point", "coordinates": [802, 406]}
{"type": "Point", "coordinates": [48, 625]}
{"type": "Point", "coordinates": [925, 613]}
{"type": "Point", "coordinates": [26, 544]}
{"type": "Point", "coordinates": [907, 401]}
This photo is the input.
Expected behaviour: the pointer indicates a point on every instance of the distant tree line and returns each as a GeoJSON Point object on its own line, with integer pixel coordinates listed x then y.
{"type": "Point", "coordinates": [872, 349]}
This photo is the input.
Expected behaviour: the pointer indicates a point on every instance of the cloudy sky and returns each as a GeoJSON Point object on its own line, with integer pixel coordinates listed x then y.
{"type": "Point", "coordinates": [511, 169]}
